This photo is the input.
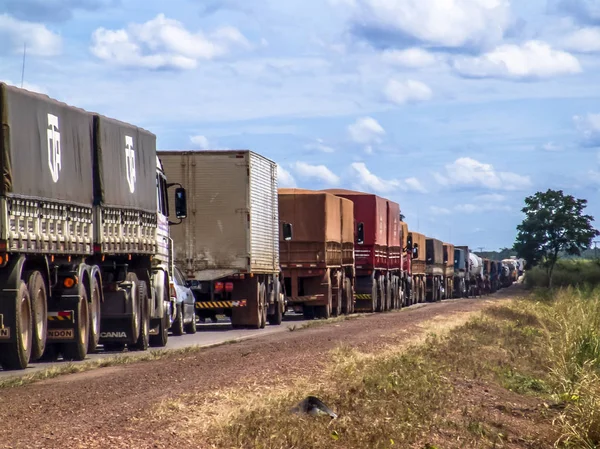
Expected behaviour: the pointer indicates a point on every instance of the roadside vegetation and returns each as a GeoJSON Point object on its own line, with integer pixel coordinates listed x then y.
{"type": "Point", "coordinates": [578, 273]}
{"type": "Point", "coordinates": [522, 374]}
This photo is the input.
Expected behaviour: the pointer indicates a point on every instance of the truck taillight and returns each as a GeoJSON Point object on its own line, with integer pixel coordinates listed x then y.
{"type": "Point", "coordinates": [229, 287]}
{"type": "Point", "coordinates": [173, 290]}
{"type": "Point", "coordinates": [218, 286]}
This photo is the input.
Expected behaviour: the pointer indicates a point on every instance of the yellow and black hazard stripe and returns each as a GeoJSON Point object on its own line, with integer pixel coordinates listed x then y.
{"type": "Point", "coordinates": [60, 316]}
{"type": "Point", "coordinates": [213, 304]}
{"type": "Point", "coordinates": [362, 296]}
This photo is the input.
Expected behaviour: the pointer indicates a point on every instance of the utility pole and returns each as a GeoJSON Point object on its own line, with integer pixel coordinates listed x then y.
{"type": "Point", "coordinates": [481, 248]}
{"type": "Point", "coordinates": [596, 249]}
{"type": "Point", "coordinates": [23, 68]}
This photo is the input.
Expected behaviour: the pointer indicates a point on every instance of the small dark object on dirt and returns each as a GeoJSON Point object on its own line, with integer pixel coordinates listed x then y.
{"type": "Point", "coordinates": [313, 406]}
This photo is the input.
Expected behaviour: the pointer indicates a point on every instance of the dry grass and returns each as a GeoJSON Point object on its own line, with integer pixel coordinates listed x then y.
{"type": "Point", "coordinates": [523, 374]}
{"type": "Point", "coordinates": [396, 397]}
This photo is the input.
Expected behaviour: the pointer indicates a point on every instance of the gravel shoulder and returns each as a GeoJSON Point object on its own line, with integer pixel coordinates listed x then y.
{"type": "Point", "coordinates": [110, 407]}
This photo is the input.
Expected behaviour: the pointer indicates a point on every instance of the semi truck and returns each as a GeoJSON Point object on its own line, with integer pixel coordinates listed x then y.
{"type": "Point", "coordinates": [476, 274]}
{"type": "Point", "coordinates": [434, 269]}
{"type": "Point", "coordinates": [228, 248]}
{"type": "Point", "coordinates": [461, 288]}
{"type": "Point", "coordinates": [316, 252]}
{"type": "Point", "coordinates": [84, 234]}
{"type": "Point", "coordinates": [406, 281]}
{"type": "Point", "coordinates": [374, 280]}
{"type": "Point", "coordinates": [417, 244]}
{"type": "Point", "coordinates": [448, 282]}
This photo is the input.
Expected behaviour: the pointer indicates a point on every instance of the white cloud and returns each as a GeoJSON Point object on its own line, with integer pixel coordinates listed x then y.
{"type": "Point", "coordinates": [589, 128]}
{"type": "Point", "coordinates": [533, 59]}
{"type": "Point", "coordinates": [200, 141]}
{"type": "Point", "coordinates": [435, 210]}
{"type": "Point", "coordinates": [27, 86]}
{"type": "Point", "coordinates": [40, 40]}
{"type": "Point", "coordinates": [491, 198]}
{"type": "Point", "coordinates": [370, 181]}
{"type": "Point", "coordinates": [551, 146]}
{"type": "Point", "coordinates": [318, 172]}
{"type": "Point", "coordinates": [163, 43]}
{"type": "Point", "coordinates": [414, 58]}
{"type": "Point", "coordinates": [410, 91]}
{"type": "Point", "coordinates": [319, 145]}
{"type": "Point", "coordinates": [413, 184]}
{"type": "Point", "coordinates": [470, 208]}
{"type": "Point", "coordinates": [448, 23]}
{"type": "Point", "coordinates": [285, 178]}
{"type": "Point", "coordinates": [471, 173]}
{"type": "Point", "coordinates": [366, 130]}
{"type": "Point", "coordinates": [584, 40]}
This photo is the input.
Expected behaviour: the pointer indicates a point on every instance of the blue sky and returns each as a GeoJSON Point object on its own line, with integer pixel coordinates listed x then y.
{"type": "Point", "coordinates": [457, 109]}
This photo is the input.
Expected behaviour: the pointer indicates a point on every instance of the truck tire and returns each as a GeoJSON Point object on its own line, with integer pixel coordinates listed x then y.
{"type": "Point", "coordinates": [16, 355]}
{"type": "Point", "coordinates": [144, 335]}
{"type": "Point", "coordinates": [347, 301]}
{"type": "Point", "coordinates": [336, 309]}
{"type": "Point", "coordinates": [135, 321]}
{"type": "Point", "coordinates": [277, 317]}
{"type": "Point", "coordinates": [379, 307]}
{"type": "Point", "coordinates": [190, 328]}
{"type": "Point", "coordinates": [94, 327]}
{"type": "Point", "coordinates": [77, 350]}
{"type": "Point", "coordinates": [177, 327]}
{"type": "Point", "coordinates": [39, 313]}
{"type": "Point", "coordinates": [263, 305]}
{"type": "Point", "coordinates": [161, 339]}
{"type": "Point", "coordinates": [324, 312]}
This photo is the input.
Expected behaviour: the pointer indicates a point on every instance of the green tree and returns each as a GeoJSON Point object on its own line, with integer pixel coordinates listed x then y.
{"type": "Point", "coordinates": [554, 223]}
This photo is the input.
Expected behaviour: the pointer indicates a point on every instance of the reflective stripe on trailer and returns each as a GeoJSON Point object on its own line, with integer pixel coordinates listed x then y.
{"type": "Point", "coordinates": [362, 296]}
{"type": "Point", "coordinates": [66, 315]}
{"type": "Point", "coordinates": [304, 298]}
{"type": "Point", "coordinates": [220, 304]}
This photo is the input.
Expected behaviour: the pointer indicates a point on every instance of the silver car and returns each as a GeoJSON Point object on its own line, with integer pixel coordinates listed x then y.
{"type": "Point", "coordinates": [185, 316]}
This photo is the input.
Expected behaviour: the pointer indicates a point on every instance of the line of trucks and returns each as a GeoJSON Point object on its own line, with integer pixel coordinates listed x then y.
{"type": "Point", "coordinates": [93, 220]}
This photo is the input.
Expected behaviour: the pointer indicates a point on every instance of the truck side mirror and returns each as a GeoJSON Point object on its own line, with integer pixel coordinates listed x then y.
{"type": "Point", "coordinates": [287, 232]}
{"type": "Point", "coordinates": [416, 251]}
{"type": "Point", "coordinates": [360, 237]}
{"type": "Point", "coordinates": [409, 241]}
{"type": "Point", "coordinates": [180, 203]}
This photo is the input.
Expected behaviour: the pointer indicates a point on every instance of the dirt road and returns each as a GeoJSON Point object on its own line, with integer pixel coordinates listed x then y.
{"type": "Point", "coordinates": [109, 407]}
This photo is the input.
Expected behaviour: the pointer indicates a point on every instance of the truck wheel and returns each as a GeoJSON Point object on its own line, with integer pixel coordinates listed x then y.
{"type": "Point", "coordinates": [135, 321]}
{"type": "Point", "coordinates": [380, 295]}
{"type": "Point", "coordinates": [277, 317]}
{"type": "Point", "coordinates": [37, 294]}
{"type": "Point", "coordinates": [190, 328]}
{"type": "Point", "coordinates": [337, 309]}
{"type": "Point", "coordinates": [94, 326]}
{"type": "Point", "coordinates": [177, 327]}
{"type": "Point", "coordinates": [15, 355]}
{"type": "Point", "coordinates": [263, 305]}
{"type": "Point", "coordinates": [160, 340]}
{"type": "Point", "coordinates": [143, 339]}
{"type": "Point", "coordinates": [78, 350]}
{"type": "Point", "coordinates": [347, 302]}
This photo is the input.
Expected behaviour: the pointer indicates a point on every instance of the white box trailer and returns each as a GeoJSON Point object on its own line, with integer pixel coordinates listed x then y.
{"type": "Point", "coordinates": [229, 245]}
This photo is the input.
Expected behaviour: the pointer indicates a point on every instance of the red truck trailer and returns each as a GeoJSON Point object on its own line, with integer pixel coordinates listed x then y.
{"type": "Point", "coordinates": [373, 280]}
